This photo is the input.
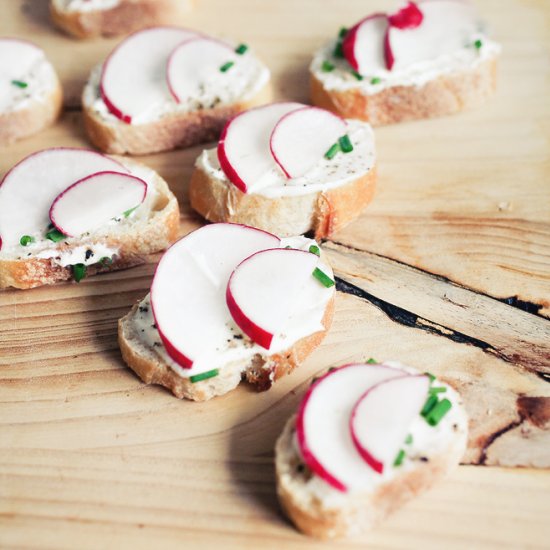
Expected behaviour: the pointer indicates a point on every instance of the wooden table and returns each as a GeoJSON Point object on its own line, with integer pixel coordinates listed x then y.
{"type": "Point", "coordinates": [448, 270]}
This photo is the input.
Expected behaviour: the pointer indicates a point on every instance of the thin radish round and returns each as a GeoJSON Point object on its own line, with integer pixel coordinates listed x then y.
{"type": "Point", "coordinates": [363, 45]}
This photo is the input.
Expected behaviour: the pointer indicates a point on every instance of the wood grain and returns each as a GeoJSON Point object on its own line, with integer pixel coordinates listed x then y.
{"type": "Point", "coordinates": [92, 458]}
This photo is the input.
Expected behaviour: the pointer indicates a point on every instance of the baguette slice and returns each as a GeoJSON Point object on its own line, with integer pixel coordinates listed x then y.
{"type": "Point", "coordinates": [41, 109]}
{"type": "Point", "coordinates": [118, 17]}
{"type": "Point", "coordinates": [136, 241]}
{"type": "Point", "coordinates": [321, 511]}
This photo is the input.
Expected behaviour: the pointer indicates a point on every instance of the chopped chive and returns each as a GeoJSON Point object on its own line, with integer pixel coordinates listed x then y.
{"type": "Point", "coordinates": [323, 278]}
{"type": "Point", "coordinates": [19, 83]}
{"type": "Point", "coordinates": [314, 249]}
{"type": "Point", "coordinates": [225, 67]}
{"type": "Point", "coordinates": [345, 144]}
{"type": "Point", "coordinates": [375, 80]}
{"type": "Point", "coordinates": [287, 246]}
{"type": "Point", "coordinates": [55, 235]}
{"type": "Point", "coordinates": [372, 361]}
{"type": "Point", "coordinates": [409, 439]}
{"type": "Point", "coordinates": [330, 369]}
{"type": "Point", "coordinates": [105, 261]}
{"type": "Point", "coordinates": [343, 31]}
{"type": "Point", "coordinates": [478, 44]}
{"type": "Point", "coordinates": [438, 412]}
{"type": "Point", "coordinates": [441, 389]}
{"type": "Point", "coordinates": [79, 272]}
{"type": "Point", "coordinates": [331, 153]}
{"type": "Point", "coordinates": [327, 66]}
{"type": "Point", "coordinates": [129, 211]}
{"type": "Point", "coordinates": [25, 240]}
{"type": "Point", "coordinates": [241, 49]}
{"type": "Point", "coordinates": [357, 75]}
{"type": "Point", "coordinates": [399, 458]}
{"type": "Point", "coordinates": [338, 50]}
{"type": "Point", "coordinates": [431, 402]}
{"type": "Point", "coordinates": [430, 376]}
{"type": "Point", "coordinates": [204, 375]}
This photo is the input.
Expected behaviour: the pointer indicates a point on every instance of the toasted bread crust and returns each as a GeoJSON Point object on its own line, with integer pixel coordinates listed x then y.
{"type": "Point", "coordinates": [444, 95]}
{"type": "Point", "coordinates": [361, 512]}
{"type": "Point", "coordinates": [323, 212]}
{"type": "Point", "coordinates": [261, 373]}
{"type": "Point", "coordinates": [34, 118]}
{"type": "Point", "coordinates": [128, 16]}
{"type": "Point", "coordinates": [157, 234]}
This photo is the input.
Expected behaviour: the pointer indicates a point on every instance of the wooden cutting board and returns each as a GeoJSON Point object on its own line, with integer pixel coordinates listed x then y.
{"type": "Point", "coordinates": [448, 270]}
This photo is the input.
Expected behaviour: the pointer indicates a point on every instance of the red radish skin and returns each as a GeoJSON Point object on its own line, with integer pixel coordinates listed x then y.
{"type": "Point", "coordinates": [226, 166]}
{"type": "Point", "coordinates": [408, 17]}
{"type": "Point", "coordinates": [348, 44]}
{"type": "Point", "coordinates": [52, 213]}
{"type": "Point", "coordinates": [388, 52]}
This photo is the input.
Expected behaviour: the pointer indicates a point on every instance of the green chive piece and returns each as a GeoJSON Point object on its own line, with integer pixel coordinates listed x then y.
{"type": "Point", "coordinates": [372, 361]}
{"type": "Point", "coordinates": [375, 80]}
{"type": "Point", "coordinates": [314, 249]}
{"type": "Point", "coordinates": [357, 75]}
{"type": "Point", "coordinates": [225, 67]}
{"type": "Point", "coordinates": [438, 412]}
{"type": "Point", "coordinates": [105, 261]}
{"type": "Point", "coordinates": [327, 66]}
{"type": "Point", "coordinates": [430, 376]}
{"type": "Point", "coordinates": [409, 439]}
{"type": "Point", "coordinates": [79, 272]}
{"type": "Point", "coordinates": [129, 211]}
{"type": "Point", "coordinates": [55, 235]}
{"type": "Point", "coordinates": [323, 278]}
{"type": "Point", "coordinates": [434, 391]}
{"type": "Point", "coordinates": [345, 144]}
{"type": "Point", "coordinates": [241, 49]}
{"type": "Point", "coordinates": [331, 153]}
{"type": "Point", "coordinates": [25, 240]}
{"type": "Point", "coordinates": [343, 32]}
{"type": "Point", "coordinates": [478, 44]}
{"type": "Point", "coordinates": [19, 83]}
{"type": "Point", "coordinates": [431, 402]}
{"type": "Point", "coordinates": [338, 51]}
{"type": "Point", "coordinates": [399, 458]}
{"type": "Point", "coordinates": [204, 375]}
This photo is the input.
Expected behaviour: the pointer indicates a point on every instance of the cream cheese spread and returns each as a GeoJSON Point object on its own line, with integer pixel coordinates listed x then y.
{"type": "Point", "coordinates": [88, 5]}
{"type": "Point", "coordinates": [326, 174]}
{"type": "Point", "coordinates": [342, 79]}
{"type": "Point", "coordinates": [305, 320]}
{"type": "Point", "coordinates": [244, 80]}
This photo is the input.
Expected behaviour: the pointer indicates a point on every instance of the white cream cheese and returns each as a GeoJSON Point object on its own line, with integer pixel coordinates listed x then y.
{"type": "Point", "coordinates": [36, 78]}
{"type": "Point", "coordinates": [305, 320]}
{"type": "Point", "coordinates": [342, 79]}
{"type": "Point", "coordinates": [88, 5]}
{"type": "Point", "coordinates": [326, 174]}
{"type": "Point", "coordinates": [427, 441]}
{"type": "Point", "coordinates": [90, 248]}
{"type": "Point", "coordinates": [241, 82]}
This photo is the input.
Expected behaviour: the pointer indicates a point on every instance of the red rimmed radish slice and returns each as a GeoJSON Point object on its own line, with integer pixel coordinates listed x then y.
{"type": "Point", "coordinates": [243, 149]}
{"type": "Point", "coordinates": [188, 290]}
{"type": "Point", "coordinates": [382, 418]}
{"type": "Point", "coordinates": [30, 187]}
{"type": "Point", "coordinates": [264, 288]}
{"type": "Point", "coordinates": [446, 27]}
{"type": "Point", "coordinates": [301, 138]}
{"type": "Point", "coordinates": [363, 45]}
{"type": "Point", "coordinates": [94, 200]}
{"type": "Point", "coordinates": [134, 75]}
{"type": "Point", "coordinates": [17, 58]}
{"type": "Point", "coordinates": [322, 425]}
{"type": "Point", "coordinates": [194, 64]}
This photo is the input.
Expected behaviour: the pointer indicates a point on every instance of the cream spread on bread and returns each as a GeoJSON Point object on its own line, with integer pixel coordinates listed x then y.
{"type": "Point", "coordinates": [327, 174]}
{"type": "Point", "coordinates": [306, 320]}
{"type": "Point", "coordinates": [88, 5]}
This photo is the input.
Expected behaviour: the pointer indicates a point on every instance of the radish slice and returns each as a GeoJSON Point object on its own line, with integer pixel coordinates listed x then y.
{"type": "Point", "coordinates": [322, 426]}
{"type": "Point", "coordinates": [302, 137]}
{"type": "Point", "coordinates": [188, 290]}
{"type": "Point", "coordinates": [91, 202]}
{"type": "Point", "coordinates": [447, 26]}
{"type": "Point", "coordinates": [195, 65]}
{"type": "Point", "coordinates": [30, 187]}
{"type": "Point", "coordinates": [382, 418]}
{"type": "Point", "coordinates": [263, 289]}
{"type": "Point", "coordinates": [17, 59]}
{"type": "Point", "coordinates": [243, 149]}
{"type": "Point", "coordinates": [363, 45]}
{"type": "Point", "coordinates": [134, 75]}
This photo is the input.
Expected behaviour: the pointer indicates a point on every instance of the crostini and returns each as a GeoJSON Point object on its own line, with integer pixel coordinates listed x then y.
{"type": "Point", "coordinates": [229, 302]}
